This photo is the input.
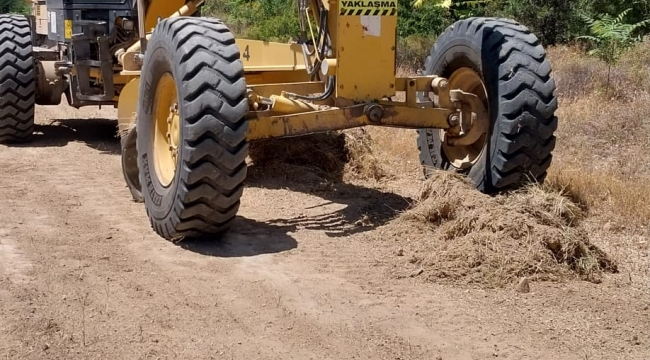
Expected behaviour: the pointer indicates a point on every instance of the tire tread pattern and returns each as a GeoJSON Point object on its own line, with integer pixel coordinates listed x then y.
{"type": "Point", "coordinates": [215, 127]}
{"type": "Point", "coordinates": [17, 80]}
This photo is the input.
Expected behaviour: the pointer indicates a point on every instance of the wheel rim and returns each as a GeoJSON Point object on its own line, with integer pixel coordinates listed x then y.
{"type": "Point", "coordinates": [166, 130]}
{"type": "Point", "coordinates": [464, 157]}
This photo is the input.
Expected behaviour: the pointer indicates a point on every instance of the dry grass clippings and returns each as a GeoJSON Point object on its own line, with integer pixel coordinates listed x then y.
{"type": "Point", "coordinates": [338, 156]}
{"type": "Point", "coordinates": [494, 241]}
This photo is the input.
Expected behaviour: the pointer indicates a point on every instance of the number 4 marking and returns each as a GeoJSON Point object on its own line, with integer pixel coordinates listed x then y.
{"type": "Point", "coordinates": [247, 54]}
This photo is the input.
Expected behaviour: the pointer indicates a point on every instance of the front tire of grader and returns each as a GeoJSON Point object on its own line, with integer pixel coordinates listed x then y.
{"type": "Point", "coordinates": [503, 63]}
{"type": "Point", "coordinates": [192, 128]}
{"type": "Point", "coordinates": [17, 80]}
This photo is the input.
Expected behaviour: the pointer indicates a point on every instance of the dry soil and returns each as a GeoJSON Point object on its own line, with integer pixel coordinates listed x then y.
{"type": "Point", "coordinates": [308, 272]}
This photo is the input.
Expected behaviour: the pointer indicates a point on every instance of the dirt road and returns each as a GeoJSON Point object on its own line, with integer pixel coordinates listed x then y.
{"type": "Point", "coordinates": [82, 275]}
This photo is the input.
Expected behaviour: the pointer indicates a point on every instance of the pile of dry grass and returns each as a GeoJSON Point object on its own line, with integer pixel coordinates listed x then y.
{"type": "Point", "coordinates": [335, 155]}
{"type": "Point", "coordinates": [322, 153]}
{"type": "Point", "coordinates": [362, 161]}
{"type": "Point", "coordinates": [470, 237]}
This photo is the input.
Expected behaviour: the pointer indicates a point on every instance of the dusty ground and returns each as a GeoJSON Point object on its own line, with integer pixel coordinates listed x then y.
{"type": "Point", "coordinates": [83, 276]}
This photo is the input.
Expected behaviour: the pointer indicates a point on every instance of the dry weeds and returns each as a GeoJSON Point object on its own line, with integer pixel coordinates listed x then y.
{"type": "Point", "coordinates": [470, 237]}
{"type": "Point", "coordinates": [604, 141]}
{"type": "Point", "coordinates": [336, 156]}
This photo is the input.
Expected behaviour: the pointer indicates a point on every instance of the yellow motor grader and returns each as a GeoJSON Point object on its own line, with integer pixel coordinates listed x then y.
{"type": "Point", "coordinates": [191, 97]}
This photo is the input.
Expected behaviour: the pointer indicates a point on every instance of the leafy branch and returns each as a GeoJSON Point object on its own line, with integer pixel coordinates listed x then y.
{"type": "Point", "coordinates": [611, 37]}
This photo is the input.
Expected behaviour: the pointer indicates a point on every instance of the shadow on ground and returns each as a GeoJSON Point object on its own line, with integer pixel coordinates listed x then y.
{"type": "Point", "coordinates": [365, 208]}
{"type": "Point", "coordinates": [99, 134]}
{"type": "Point", "coordinates": [247, 238]}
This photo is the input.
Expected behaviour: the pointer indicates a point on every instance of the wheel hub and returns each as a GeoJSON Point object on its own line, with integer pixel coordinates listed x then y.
{"type": "Point", "coordinates": [460, 154]}
{"type": "Point", "coordinates": [167, 130]}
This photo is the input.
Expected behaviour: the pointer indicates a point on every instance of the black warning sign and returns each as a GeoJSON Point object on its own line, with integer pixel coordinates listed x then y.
{"type": "Point", "coordinates": [368, 7]}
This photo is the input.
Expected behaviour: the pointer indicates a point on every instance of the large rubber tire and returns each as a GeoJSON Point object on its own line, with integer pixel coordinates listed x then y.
{"type": "Point", "coordinates": [204, 195]}
{"type": "Point", "coordinates": [129, 157]}
{"type": "Point", "coordinates": [521, 102]}
{"type": "Point", "coordinates": [17, 80]}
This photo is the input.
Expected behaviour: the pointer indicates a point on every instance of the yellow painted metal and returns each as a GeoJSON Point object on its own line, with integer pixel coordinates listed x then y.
{"type": "Point", "coordinates": [267, 90]}
{"type": "Point", "coordinates": [127, 106]}
{"type": "Point", "coordinates": [365, 49]}
{"type": "Point", "coordinates": [135, 73]}
{"type": "Point", "coordinates": [328, 67]}
{"type": "Point", "coordinates": [276, 77]}
{"type": "Point", "coordinates": [96, 73]}
{"type": "Point", "coordinates": [288, 106]}
{"type": "Point", "coordinates": [68, 29]}
{"type": "Point", "coordinates": [270, 56]}
{"type": "Point", "coordinates": [160, 9]}
{"type": "Point", "coordinates": [463, 157]}
{"type": "Point", "coordinates": [421, 83]}
{"type": "Point", "coordinates": [346, 118]}
{"type": "Point", "coordinates": [166, 130]}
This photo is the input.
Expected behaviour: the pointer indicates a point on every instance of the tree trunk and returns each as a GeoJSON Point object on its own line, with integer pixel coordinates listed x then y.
{"type": "Point", "coordinates": [609, 72]}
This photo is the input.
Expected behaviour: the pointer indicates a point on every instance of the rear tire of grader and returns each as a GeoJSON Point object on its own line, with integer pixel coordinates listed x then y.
{"type": "Point", "coordinates": [500, 61]}
{"type": "Point", "coordinates": [192, 128]}
{"type": "Point", "coordinates": [17, 80]}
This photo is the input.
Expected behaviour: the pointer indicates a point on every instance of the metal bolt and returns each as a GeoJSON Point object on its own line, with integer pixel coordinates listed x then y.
{"type": "Point", "coordinates": [454, 120]}
{"type": "Point", "coordinates": [375, 112]}
{"type": "Point", "coordinates": [439, 84]}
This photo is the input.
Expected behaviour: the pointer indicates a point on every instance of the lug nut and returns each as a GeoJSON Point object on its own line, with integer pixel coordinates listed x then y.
{"type": "Point", "coordinates": [375, 112]}
{"type": "Point", "coordinates": [454, 120]}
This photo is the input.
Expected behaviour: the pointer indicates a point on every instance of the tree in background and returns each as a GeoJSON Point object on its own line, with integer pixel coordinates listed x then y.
{"type": "Point", "coordinates": [611, 37]}
{"type": "Point", "coordinates": [269, 20]}
{"type": "Point", "coordinates": [14, 7]}
{"type": "Point", "coordinates": [418, 25]}
{"type": "Point", "coordinates": [426, 19]}
{"type": "Point", "coordinates": [549, 20]}
{"type": "Point", "coordinates": [553, 21]}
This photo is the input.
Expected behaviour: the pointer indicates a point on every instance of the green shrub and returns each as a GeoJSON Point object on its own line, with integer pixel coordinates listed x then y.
{"type": "Point", "coordinates": [14, 7]}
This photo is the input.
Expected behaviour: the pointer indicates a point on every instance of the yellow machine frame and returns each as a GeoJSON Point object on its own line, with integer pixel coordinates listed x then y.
{"type": "Point", "coordinates": [362, 60]}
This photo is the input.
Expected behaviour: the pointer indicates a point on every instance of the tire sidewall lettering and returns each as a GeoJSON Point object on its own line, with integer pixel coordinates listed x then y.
{"type": "Point", "coordinates": [153, 195]}
{"type": "Point", "coordinates": [160, 62]}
